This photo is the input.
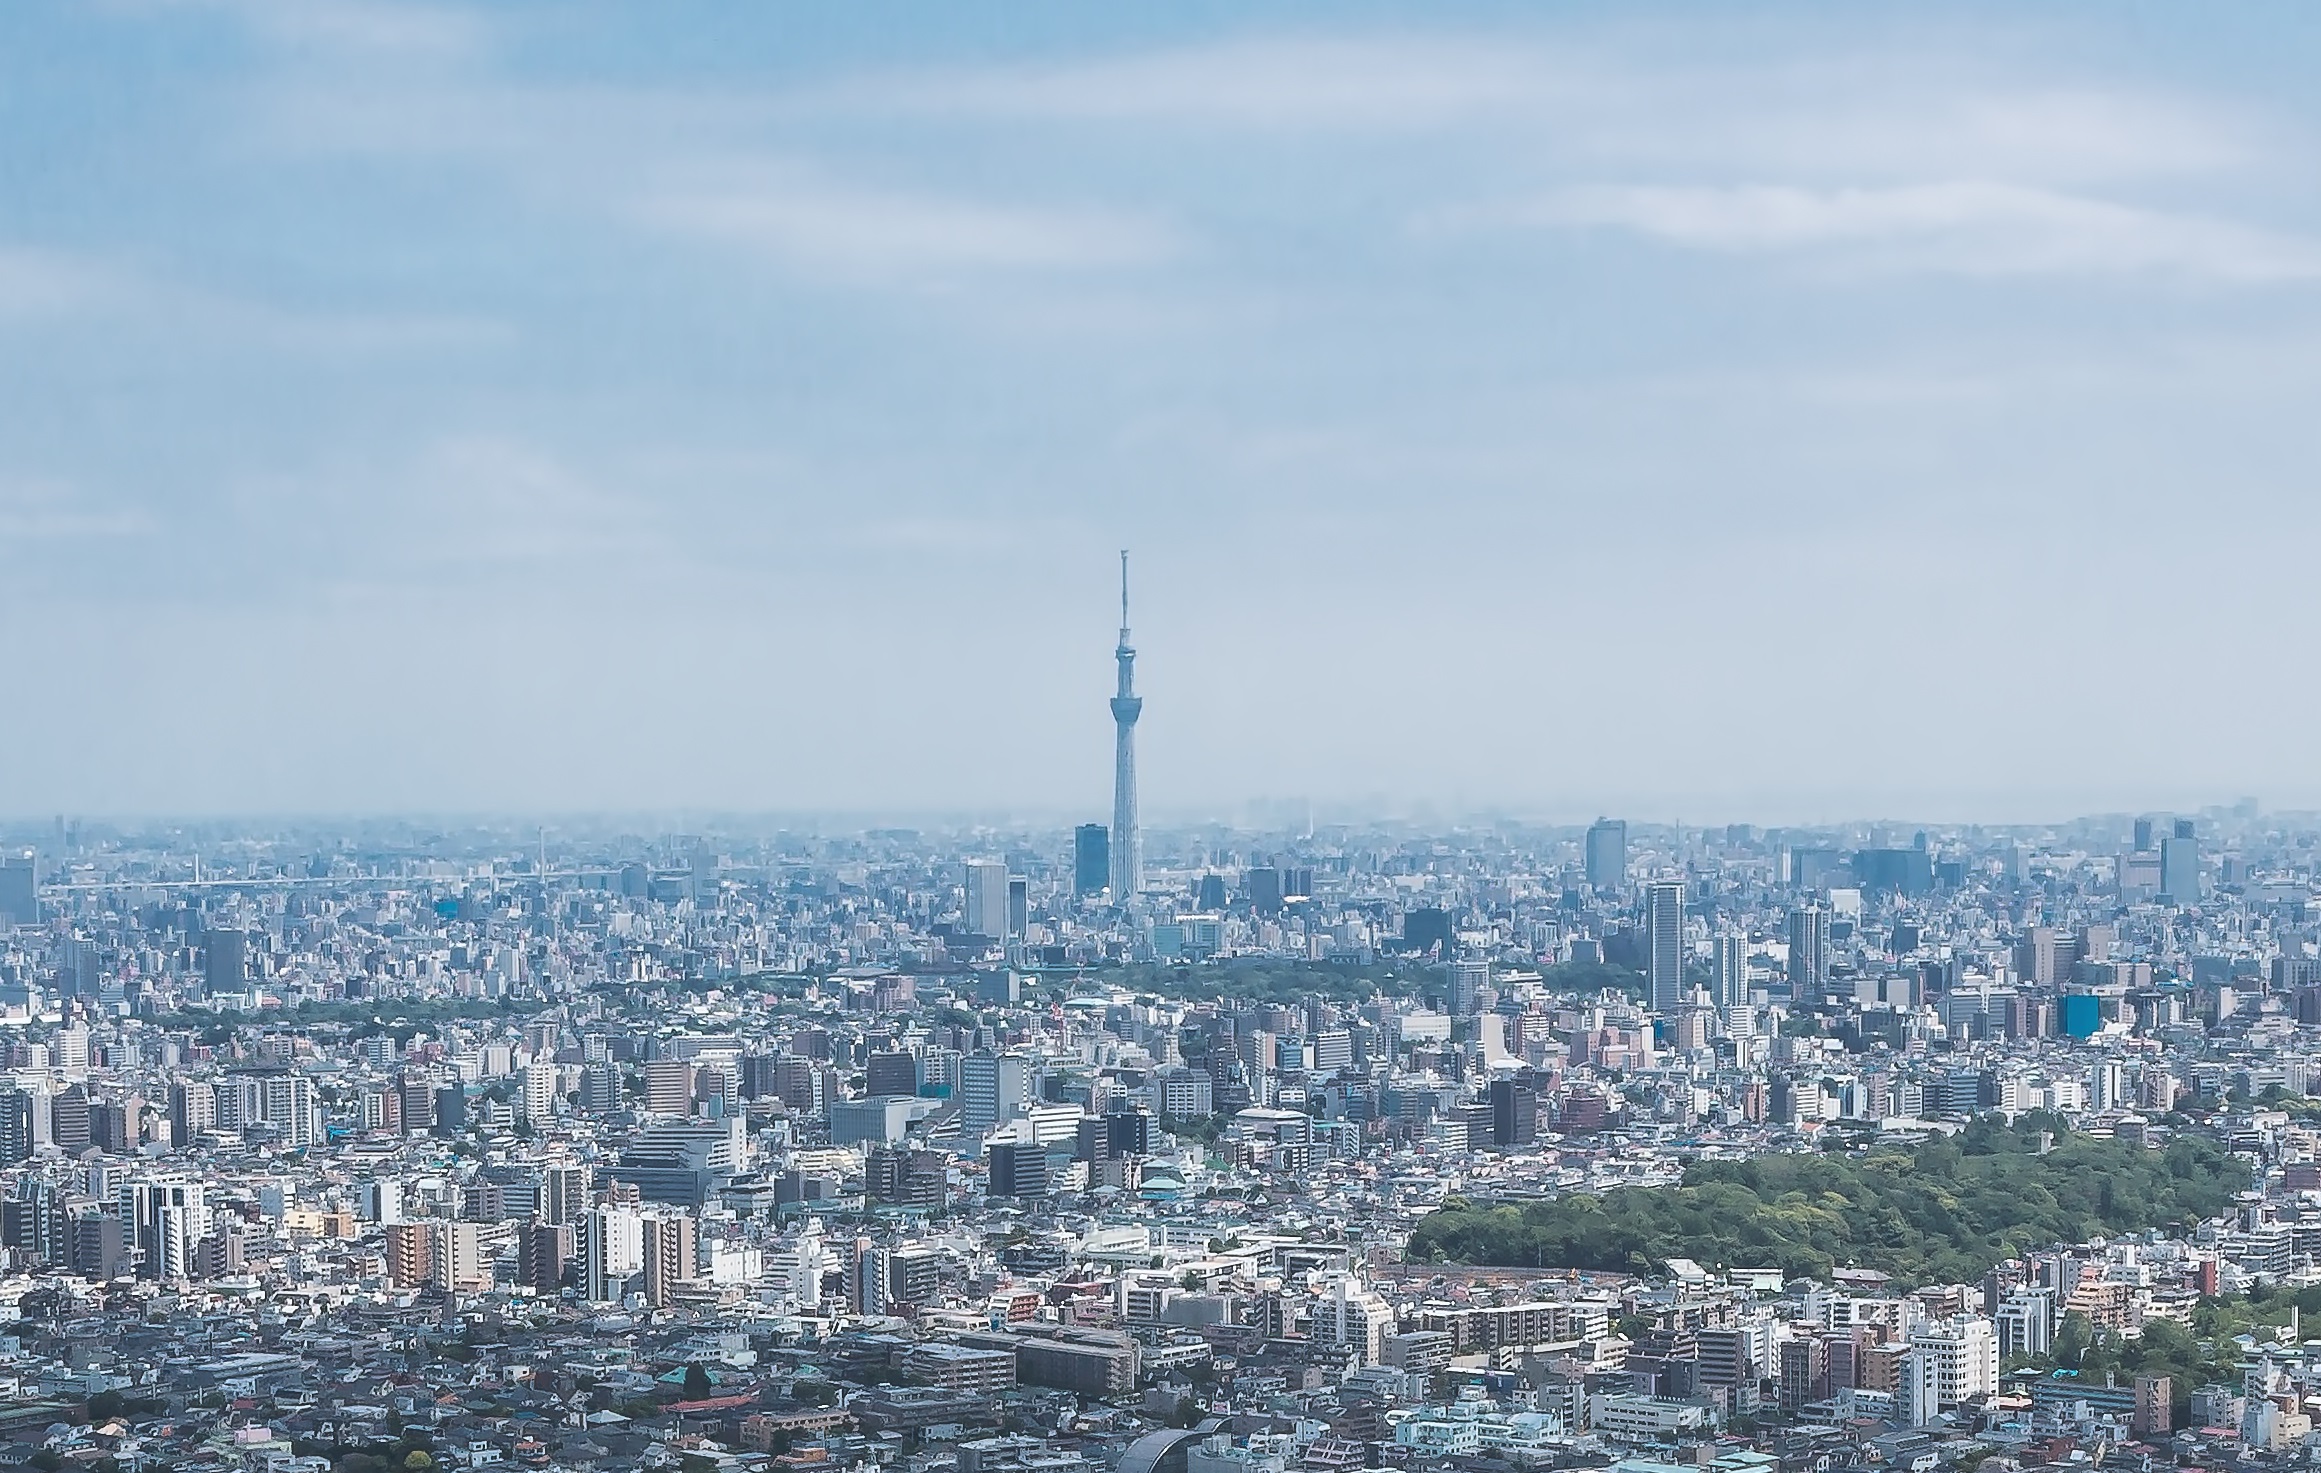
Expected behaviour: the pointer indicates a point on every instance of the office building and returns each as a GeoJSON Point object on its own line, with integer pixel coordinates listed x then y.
{"type": "Point", "coordinates": [1606, 860]}
{"type": "Point", "coordinates": [992, 1088]}
{"type": "Point", "coordinates": [1808, 951]}
{"type": "Point", "coordinates": [1664, 946]}
{"type": "Point", "coordinates": [163, 1220]}
{"type": "Point", "coordinates": [1262, 886]}
{"type": "Point", "coordinates": [20, 890]}
{"type": "Point", "coordinates": [1465, 984]}
{"type": "Point", "coordinates": [1091, 860]}
{"type": "Point", "coordinates": [1731, 968]}
{"type": "Point", "coordinates": [68, 1115]}
{"type": "Point", "coordinates": [986, 898]}
{"type": "Point", "coordinates": [669, 1087]}
{"type": "Point", "coordinates": [2180, 865]}
{"type": "Point", "coordinates": [226, 962]}
{"type": "Point", "coordinates": [890, 1072]}
{"type": "Point", "coordinates": [1017, 1169]}
{"type": "Point", "coordinates": [18, 1136]}
{"type": "Point", "coordinates": [1514, 1114]}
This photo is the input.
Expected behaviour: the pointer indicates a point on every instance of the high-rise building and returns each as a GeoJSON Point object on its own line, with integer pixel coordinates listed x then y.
{"type": "Point", "coordinates": [1351, 1314]}
{"type": "Point", "coordinates": [986, 897]}
{"type": "Point", "coordinates": [1732, 969]}
{"type": "Point", "coordinates": [68, 1114]}
{"type": "Point", "coordinates": [281, 1103]}
{"type": "Point", "coordinates": [1465, 984]}
{"type": "Point", "coordinates": [671, 1253]}
{"type": "Point", "coordinates": [1019, 905]}
{"type": "Point", "coordinates": [2180, 864]}
{"type": "Point", "coordinates": [615, 1251]}
{"type": "Point", "coordinates": [541, 1091]}
{"type": "Point", "coordinates": [226, 961]}
{"type": "Point", "coordinates": [891, 1072]}
{"type": "Point", "coordinates": [20, 890]}
{"type": "Point", "coordinates": [1664, 945]}
{"type": "Point", "coordinates": [1262, 884]}
{"type": "Point", "coordinates": [163, 1221]}
{"type": "Point", "coordinates": [992, 1088]}
{"type": "Point", "coordinates": [1607, 854]}
{"type": "Point", "coordinates": [542, 1251]}
{"type": "Point", "coordinates": [193, 1112]}
{"type": "Point", "coordinates": [1514, 1114]}
{"type": "Point", "coordinates": [1808, 950]}
{"type": "Point", "coordinates": [17, 1134]}
{"type": "Point", "coordinates": [1017, 1169]}
{"type": "Point", "coordinates": [1127, 843]}
{"type": "Point", "coordinates": [1091, 859]}
{"type": "Point", "coordinates": [1951, 1361]}
{"type": "Point", "coordinates": [600, 1088]}
{"type": "Point", "coordinates": [669, 1087]}
{"type": "Point", "coordinates": [564, 1193]}
{"type": "Point", "coordinates": [410, 1253]}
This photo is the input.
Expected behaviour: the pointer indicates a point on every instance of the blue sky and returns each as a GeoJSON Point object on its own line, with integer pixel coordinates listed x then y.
{"type": "Point", "coordinates": [1772, 413]}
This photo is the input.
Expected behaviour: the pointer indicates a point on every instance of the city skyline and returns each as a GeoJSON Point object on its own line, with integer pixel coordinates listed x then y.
{"type": "Point", "coordinates": [1710, 859]}
{"type": "Point", "coordinates": [520, 407]}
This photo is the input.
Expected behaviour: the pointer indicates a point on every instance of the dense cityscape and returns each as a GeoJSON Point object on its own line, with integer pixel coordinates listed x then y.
{"type": "Point", "coordinates": [1091, 1150]}
{"type": "Point", "coordinates": [1289, 737]}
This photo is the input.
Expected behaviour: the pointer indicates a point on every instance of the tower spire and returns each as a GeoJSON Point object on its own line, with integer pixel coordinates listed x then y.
{"type": "Point", "coordinates": [1127, 844]}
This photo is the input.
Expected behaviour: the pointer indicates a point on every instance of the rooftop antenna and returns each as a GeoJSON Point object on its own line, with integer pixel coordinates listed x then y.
{"type": "Point", "coordinates": [1124, 595]}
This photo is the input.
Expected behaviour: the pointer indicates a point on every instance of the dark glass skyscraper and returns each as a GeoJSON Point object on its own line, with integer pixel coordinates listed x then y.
{"type": "Point", "coordinates": [1664, 945]}
{"type": "Point", "coordinates": [1607, 854]}
{"type": "Point", "coordinates": [1091, 859]}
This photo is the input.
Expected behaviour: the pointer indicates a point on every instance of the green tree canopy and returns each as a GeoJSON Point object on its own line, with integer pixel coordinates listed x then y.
{"type": "Point", "coordinates": [1944, 1212]}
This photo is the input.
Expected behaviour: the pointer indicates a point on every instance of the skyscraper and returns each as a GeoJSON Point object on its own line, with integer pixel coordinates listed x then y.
{"type": "Point", "coordinates": [1091, 859]}
{"type": "Point", "coordinates": [615, 1245]}
{"type": "Point", "coordinates": [1664, 940]}
{"type": "Point", "coordinates": [2180, 864]}
{"type": "Point", "coordinates": [992, 1088]}
{"type": "Point", "coordinates": [987, 897]}
{"type": "Point", "coordinates": [20, 890]}
{"type": "Point", "coordinates": [1607, 854]}
{"type": "Point", "coordinates": [1732, 969]}
{"type": "Point", "coordinates": [1808, 951]}
{"type": "Point", "coordinates": [226, 961]}
{"type": "Point", "coordinates": [1127, 843]}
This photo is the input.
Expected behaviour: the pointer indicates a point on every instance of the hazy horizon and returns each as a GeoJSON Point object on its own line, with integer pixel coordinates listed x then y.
{"type": "Point", "coordinates": [572, 825]}
{"type": "Point", "coordinates": [1763, 416]}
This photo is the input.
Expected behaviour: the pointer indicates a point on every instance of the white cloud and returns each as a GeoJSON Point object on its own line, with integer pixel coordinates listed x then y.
{"type": "Point", "coordinates": [810, 220]}
{"type": "Point", "coordinates": [36, 283]}
{"type": "Point", "coordinates": [1973, 227]}
{"type": "Point", "coordinates": [1361, 83]}
{"type": "Point", "coordinates": [363, 28]}
{"type": "Point", "coordinates": [1636, 99]}
{"type": "Point", "coordinates": [37, 286]}
{"type": "Point", "coordinates": [45, 510]}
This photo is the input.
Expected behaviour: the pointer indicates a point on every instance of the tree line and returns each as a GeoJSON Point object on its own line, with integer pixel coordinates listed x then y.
{"type": "Point", "coordinates": [1943, 1212]}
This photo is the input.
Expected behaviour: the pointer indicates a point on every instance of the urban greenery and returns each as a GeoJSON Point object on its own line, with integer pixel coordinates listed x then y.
{"type": "Point", "coordinates": [1269, 979]}
{"type": "Point", "coordinates": [1590, 977]}
{"type": "Point", "coordinates": [1942, 1212]}
{"type": "Point", "coordinates": [2225, 1332]}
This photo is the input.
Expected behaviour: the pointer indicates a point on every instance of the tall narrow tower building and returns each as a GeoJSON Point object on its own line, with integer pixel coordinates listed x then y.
{"type": "Point", "coordinates": [1127, 844]}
